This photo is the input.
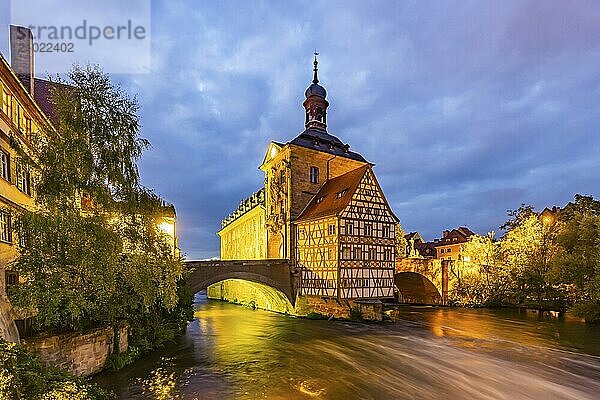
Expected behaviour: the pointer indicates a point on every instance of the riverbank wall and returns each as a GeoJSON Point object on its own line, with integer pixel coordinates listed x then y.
{"type": "Point", "coordinates": [82, 354]}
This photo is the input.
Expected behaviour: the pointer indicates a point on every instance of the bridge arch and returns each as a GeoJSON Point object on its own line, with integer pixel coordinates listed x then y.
{"type": "Point", "coordinates": [239, 275]}
{"type": "Point", "coordinates": [416, 288]}
{"type": "Point", "coordinates": [268, 284]}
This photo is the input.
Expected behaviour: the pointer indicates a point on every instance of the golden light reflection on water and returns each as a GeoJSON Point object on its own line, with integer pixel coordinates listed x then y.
{"type": "Point", "coordinates": [236, 352]}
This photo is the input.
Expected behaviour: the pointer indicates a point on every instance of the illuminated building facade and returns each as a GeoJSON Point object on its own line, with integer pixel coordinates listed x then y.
{"type": "Point", "coordinates": [20, 118]}
{"type": "Point", "coordinates": [450, 246]}
{"type": "Point", "coordinates": [322, 208]}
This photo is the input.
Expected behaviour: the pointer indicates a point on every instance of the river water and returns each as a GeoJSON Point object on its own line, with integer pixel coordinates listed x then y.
{"type": "Point", "coordinates": [232, 352]}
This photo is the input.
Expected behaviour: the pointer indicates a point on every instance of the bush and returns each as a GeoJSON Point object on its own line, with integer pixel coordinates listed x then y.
{"type": "Point", "coordinates": [590, 311]}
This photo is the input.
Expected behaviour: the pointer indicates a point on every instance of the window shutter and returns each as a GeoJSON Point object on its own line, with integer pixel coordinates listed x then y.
{"type": "Point", "coordinates": [13, 170]}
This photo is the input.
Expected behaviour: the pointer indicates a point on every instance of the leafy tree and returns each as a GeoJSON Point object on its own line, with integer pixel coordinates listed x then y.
{"type": "Point", "coordinates": [93, 252]}
{"type": "Point", "coordinates": [401, 242]}
{"type": "Point", "coordinates": [528, 249]}
{"type": "Point", "coordinates": [482, 278]}
{"type": "Point", "coordinates": [578, 264]}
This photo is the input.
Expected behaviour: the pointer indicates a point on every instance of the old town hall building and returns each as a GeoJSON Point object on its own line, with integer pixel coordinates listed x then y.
{"type": "Point", "coordinates": [322, 208]}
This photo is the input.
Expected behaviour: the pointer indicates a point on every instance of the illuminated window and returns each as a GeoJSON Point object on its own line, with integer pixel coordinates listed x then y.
{"type": "Point", "coordinates": [314, 175]}
{"type": "Point", "coordinates": [4, 165]}
{"type": "Point", "coordinates": [342, 193]}
{"type": "Point", "coordinates": [5, 231]}
{"type": "Point", "coordinates": [332, 229]}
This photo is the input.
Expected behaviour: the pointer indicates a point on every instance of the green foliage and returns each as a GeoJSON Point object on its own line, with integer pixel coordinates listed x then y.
{"type": "Point", "coordinates": [23, 377]}
{"type": "Point", "coordinates": [71, 265]}
{"type": "Point", "coordinates": [553, 263]}
{"type": "Point", "coordinates": [108, 260]}
{"type": "Point", "coordinates": [528, 250]}
{"type": "Point", "coordinates": [117, 361]}
{"type": "Point", "coordinates": [578, 263]}
{"type": "Point", "coordinates": [401, 242]}
{"type": "Point", "coordinates": [98, 143]}
{"type": "Point", "coordinates": [158, 326]}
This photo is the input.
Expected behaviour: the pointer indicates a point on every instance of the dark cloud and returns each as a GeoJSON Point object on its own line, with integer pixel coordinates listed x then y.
{"type": "Point", "coordinates": [468, 108]}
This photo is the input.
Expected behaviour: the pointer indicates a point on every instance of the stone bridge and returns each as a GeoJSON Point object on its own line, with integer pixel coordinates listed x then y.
{"type": "Point", "coordinates": [276, 273]}
{"type": "Point", "coordinates": [422, 281]}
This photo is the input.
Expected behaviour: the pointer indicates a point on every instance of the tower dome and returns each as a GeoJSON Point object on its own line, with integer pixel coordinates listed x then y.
{"type": "Point", "coordinates": [315, 105]}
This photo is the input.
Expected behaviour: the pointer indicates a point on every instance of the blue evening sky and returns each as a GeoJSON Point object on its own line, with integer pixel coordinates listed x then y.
{"type": "Point", "coordinates": [467, 108]}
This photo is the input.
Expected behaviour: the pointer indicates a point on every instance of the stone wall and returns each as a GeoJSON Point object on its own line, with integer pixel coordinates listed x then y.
{"type": "Point", "coordinates": [327, 307]}
{"type": "Point", "coordinates": [437, 271]}
{"type": "Point", "coordinates": [369, 310]}
{"type": "Point", "coordinates": [80, 353]}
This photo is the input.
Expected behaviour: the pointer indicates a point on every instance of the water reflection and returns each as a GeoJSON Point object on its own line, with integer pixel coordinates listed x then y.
{"type": "Point", "coordinates": [231, 352]}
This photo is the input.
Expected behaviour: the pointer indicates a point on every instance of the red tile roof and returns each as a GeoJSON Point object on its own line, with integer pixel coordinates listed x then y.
{"type": "Point", "coordinates": [327, 202]}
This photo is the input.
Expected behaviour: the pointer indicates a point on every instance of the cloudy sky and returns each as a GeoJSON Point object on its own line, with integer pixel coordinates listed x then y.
{"type": "Point", "coordinates": [467, 108]}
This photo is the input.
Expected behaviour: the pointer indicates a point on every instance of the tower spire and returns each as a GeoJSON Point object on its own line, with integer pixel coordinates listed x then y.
{"type": "Point", "coordinates": [316, 68]}
{"type": "Point", "coordinates": [316, 103]}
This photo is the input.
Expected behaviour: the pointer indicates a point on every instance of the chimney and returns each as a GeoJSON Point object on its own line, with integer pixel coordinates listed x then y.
{"type": "Point", "coordinates": [445, 233]}
{"type": "Point", "coordinates": [21, 55]}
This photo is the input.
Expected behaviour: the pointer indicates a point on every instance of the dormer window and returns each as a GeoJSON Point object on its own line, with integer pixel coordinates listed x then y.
{"type": "Point", "coordinates": [320, 199]}
{"type": "Point", "coordinates": [341, 194]}
{"type": "Point", "coordinates": [314, 175]}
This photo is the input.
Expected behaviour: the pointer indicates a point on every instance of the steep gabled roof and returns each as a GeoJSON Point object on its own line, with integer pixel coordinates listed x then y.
{"type": "Point", "coordinates": [459, 235]}
{"type": "Point", "coordinates": [327, 202]}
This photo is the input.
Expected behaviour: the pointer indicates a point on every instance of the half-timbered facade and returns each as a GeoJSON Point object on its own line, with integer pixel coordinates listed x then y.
{"type": "Point", "coordinates": [322, 208]}
{"type": "Point", "coordinates": [346, 239]}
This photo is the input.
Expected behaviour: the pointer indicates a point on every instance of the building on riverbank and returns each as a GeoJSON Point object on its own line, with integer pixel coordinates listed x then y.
{"type": "Point", "coordinates": [450, 245]}
{"type": "Point", "coordinates": [322, 208]}
{"type": "Point", "coordinates": [21, 118]}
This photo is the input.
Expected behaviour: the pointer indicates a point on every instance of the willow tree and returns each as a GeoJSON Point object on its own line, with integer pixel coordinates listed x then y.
{"type": "Point", "coordinates": [92, 253]}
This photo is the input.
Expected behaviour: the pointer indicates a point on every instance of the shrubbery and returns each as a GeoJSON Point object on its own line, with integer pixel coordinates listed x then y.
{"type": "Point", "coordinates": [550, 262]}
{"type": "Point", "coordinates": [23, 377]}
